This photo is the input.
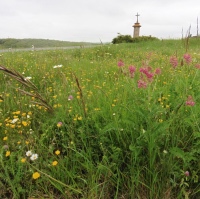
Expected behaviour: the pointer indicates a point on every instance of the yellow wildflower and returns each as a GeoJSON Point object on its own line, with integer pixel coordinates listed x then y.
{"type": "Point", "coordinates": [7, 153]}
{"type": "Point", "coordinates": [36, 175]}
{"type": "Point", "coordinates": [24, 123]}
{"type": "Point", "coordinates": [23, 114]}
{"type": "Point", "coordinates": [160, 120]}
{"type": "Point", "coordinates": [23, 160]}
{"type": "Point", "coordinates": [5, 138]}
{"type": "Point", "coordinates": [54, 163]}
{"type": "Point", "coordinates": [57, 152]}
{"type": "Point", "coordinates": [12, 126]}
{"type": "Point", "coordinates": [79, 118]}
{"type": "Point", "coordinates": [29, 113]}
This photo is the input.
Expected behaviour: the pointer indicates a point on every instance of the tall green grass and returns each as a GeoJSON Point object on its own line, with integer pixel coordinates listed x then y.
{"type": "Point", "coordinates": [105, 137]}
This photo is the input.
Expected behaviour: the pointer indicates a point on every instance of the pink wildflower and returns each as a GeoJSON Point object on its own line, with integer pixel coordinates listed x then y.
{"type": "Point", "coordinates": [142, 84]}
{"type": "Point", "coordinates": [174, 61]}
{"type": "Point", "coordinates": [59, 124]}
{"type": "Point", "coordinates": [70, 97]}
{"type": "Point", "coordinates": [132, 70]}
{"type": "Point", "coordinates": [187, 58]}
{"type": "Point", "coordinates": [197, 66]}
{"type": "Point", "coordinates": [146, 71]}
{"type": "Point", "coordinates": [120, 63]}
{"type": "Point", "coordinates": [158, 71]}
{"type": "Point", "coordinates": [190, 101]}
{"type": "Point", "coordinates": [187, 173]}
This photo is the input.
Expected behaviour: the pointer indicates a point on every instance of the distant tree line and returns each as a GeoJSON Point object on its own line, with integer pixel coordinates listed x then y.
{"type": "Point", "coordinates": [128, 39]}
{"type": "Point", "coordinates": [38, 43]}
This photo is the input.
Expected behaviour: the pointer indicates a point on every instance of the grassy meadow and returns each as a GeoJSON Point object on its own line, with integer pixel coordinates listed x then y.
{"type": "Point", "coordinates": [110, 122]}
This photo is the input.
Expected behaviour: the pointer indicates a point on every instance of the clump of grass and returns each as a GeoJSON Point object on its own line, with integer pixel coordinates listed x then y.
{"type": "Point", "coordinates": [28, 84]}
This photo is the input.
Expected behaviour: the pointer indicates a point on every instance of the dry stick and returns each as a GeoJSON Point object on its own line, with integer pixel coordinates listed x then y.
{"type": "Point", "coordinates": [81, 93]}
{"type": "Point", "coordinates": [187, 39]}
{"type": "Point", "coordinates": [26, 82]}
{"type": "Point", "coordinates": [37, 96]}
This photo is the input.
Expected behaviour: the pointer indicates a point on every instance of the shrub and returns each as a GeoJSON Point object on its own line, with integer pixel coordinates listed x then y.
{"type": "Point", "coordinates": [128, 39]}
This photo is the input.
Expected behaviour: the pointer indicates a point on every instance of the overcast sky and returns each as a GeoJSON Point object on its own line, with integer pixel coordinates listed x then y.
{"type": "Point", "coordinates": [95, 20]}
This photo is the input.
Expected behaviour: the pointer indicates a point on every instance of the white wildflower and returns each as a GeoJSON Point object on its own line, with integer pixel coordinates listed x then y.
{"type": "Point", "coordinates": [14, 120]}
{"type": "Point", "coordinates": [58, 66]}
{"type": "Point", "coordinates": [28, 78]}
{"type": "Point", "coordinates": [31, 131]}
{"type": "Point", "coordinates": [28, 153]}
{"type": "Point", "coordinates": [34, 157]}
{"type": "Point", "coordinates": [165, 151]}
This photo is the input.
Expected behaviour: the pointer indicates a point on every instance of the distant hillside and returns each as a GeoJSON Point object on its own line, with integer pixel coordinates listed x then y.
{"type": "Point", "coordinates": [38, 43]}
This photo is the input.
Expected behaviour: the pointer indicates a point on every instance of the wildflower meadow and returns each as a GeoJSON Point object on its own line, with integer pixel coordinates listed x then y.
{"type": "Point", "coordinates": [109, 122]}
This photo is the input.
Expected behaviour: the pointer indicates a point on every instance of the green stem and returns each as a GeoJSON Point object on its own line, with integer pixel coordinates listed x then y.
{"type": "Point", "coordinates": [55, 179]}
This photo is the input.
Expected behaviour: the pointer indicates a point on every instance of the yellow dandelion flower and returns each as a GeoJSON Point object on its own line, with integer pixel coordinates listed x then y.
{"type": "Point", "coordinates": [36, 175]}
{"type": "Point", "coordinates": [57, 152]}
{"type": "Point", "coordinates": [40, 107]}
{"type": "Point", "coordinates": [80, 118]}
{"type": "Point", "coordinates": [12, 126]}
{"type": "Point", "coordinates": [160, 120]}
{"type": "Point", "coordinates": [23, 114]}
{"type": "Point", "coordinates": [24, 123]}
{"type": "Point", "coordinates": [5, 138]}
{"type": "Point", "coordinates": [23, 160]}
{"type": "Point", "coordinates": [7, 153]}
{"type": "Point", "coordinates": [17, 112]}
{"type": "Point", "coordinates": [29, 113]}
{"type": "Point", "coordinates": [1, 100]}
{"type": "Point", "coordinates": [54, 163]}
{"type": "Point", "coordinates": [0, 124]}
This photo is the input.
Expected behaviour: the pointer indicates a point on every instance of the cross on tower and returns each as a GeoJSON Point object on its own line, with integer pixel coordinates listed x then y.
{"type": "Point", "coordinates": [137, 15]}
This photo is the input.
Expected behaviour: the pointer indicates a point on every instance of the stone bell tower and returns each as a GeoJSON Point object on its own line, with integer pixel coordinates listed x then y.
{"type": "Point", "coordinates": [136, 31]}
